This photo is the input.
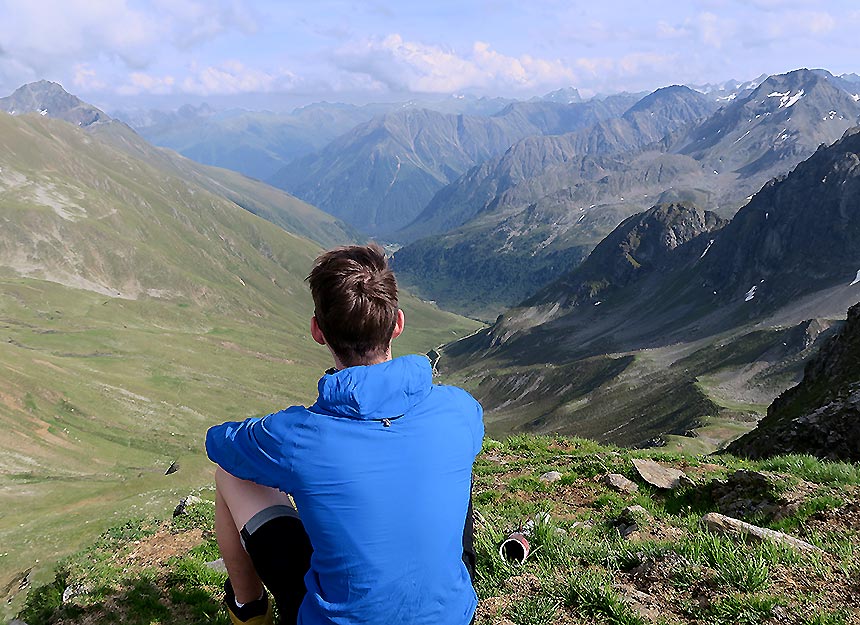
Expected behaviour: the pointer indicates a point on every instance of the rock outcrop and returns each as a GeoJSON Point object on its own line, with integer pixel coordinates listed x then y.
{"type": "Point", "coordinates": [821, 415]}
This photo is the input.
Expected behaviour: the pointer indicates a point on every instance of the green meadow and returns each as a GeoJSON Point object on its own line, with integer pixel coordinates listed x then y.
{"type": "Point", "coordinates": [99, 396]}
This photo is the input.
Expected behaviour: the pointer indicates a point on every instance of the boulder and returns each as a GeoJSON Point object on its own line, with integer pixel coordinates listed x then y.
{"type": "Point", "coordinates": [619, 483]}
{"type": "Point", "coordinates": [759, 494]}
{"type": "Point", "coordinates": [550, 476]}
{"type": "Point", "coordinates": [657, 475]}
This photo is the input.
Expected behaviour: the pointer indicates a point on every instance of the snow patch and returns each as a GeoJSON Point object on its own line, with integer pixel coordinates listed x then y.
{"type": "Point", "coordinates": [857, 279]}
{"type": "Point", "coordinates": [786, 101]}
{"type": "Point", "coordinates": [710, 243]}
{"type": "Point", "coordinates": [777, 94]}
{"type": "Point", "coordinates": [396, 173]}
{"type": "Point", "coordinates": [751, 293]}
{"type": "Point", "coordinates": [744, 135]}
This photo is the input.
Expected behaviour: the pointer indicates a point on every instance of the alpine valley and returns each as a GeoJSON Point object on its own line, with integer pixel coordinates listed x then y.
{"type": "Point", "coordinates": [665, 263]}
{"type": "Point", "coordinates": [142, 301]}
{"type": "Point", "coordinates": [662, 269]}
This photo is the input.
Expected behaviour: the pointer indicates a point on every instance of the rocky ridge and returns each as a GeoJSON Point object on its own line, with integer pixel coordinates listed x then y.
{"type": "Point", "coordinates": [821, 415]}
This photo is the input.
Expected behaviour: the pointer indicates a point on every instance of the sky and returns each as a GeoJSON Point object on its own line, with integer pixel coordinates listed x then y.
{"type": "Point", "coordinates": [278, 54]}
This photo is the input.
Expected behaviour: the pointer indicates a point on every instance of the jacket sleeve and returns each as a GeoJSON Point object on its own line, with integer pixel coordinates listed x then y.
{"type": "Point", "coordinates": [253, 450]}
{"type": "Point", "coordinates": [478, 428]}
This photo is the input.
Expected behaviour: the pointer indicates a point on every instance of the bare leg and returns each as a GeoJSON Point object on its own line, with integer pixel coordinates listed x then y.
{"type": "Point", "coordinates": [236, 501]}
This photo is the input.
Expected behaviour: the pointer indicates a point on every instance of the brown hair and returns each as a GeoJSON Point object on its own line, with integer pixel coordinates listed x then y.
{"type": "Point", "coordinates": [355, 301]}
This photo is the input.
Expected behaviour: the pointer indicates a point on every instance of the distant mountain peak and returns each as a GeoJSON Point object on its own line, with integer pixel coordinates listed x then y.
{"type": "Point", "coordinates": [566, 95]}
{"type": "Point", "coordinates": [52, 100]}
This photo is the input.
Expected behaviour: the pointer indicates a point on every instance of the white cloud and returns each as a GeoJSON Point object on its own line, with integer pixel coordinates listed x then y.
{"type": "Point", "coordinates": [411, 66]}
{"type": "Point", "coordinates": [668, 31]}
{"type": "Point", "coordinates": [140, 82]}
{"type": "Point", "coordinates": [229, 78]}
{"type": "Point", "coordinates": [52, 38]}
{"type": "Point", "coordinates": [714, 30]}
{"type": "Point", "coordinates": [86, 78]}
{"type": "Point", "coordinates": [233, 77]}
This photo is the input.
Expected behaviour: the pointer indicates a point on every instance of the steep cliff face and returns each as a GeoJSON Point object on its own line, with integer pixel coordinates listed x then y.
{"type": "Point", "coordinates": [821, 415]}
{"type": "Point", "coordinates": [642, 243]}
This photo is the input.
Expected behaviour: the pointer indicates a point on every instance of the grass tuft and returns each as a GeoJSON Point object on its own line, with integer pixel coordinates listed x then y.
{"type": "Point", "coordinates": [590, 594]}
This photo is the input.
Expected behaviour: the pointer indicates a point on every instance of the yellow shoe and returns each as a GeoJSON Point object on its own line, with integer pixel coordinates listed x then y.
{"type": "Point", "coordinates": [259, 612]}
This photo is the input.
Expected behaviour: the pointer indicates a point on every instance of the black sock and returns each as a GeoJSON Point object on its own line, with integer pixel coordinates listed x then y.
{"type": "Point", "coordinates": [249, 610]}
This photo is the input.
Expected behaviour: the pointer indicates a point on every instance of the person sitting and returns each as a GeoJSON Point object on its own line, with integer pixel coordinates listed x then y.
{"type": "Point", "coordinates": [379, 469]}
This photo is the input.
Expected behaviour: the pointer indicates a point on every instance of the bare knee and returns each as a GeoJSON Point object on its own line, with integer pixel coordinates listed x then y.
{"type": "Point", "coordinates": [244, 499]}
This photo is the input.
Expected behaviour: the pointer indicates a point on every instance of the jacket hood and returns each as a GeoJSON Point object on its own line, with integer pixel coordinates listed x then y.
{"type": "Point", "coordinates": [373, 392]}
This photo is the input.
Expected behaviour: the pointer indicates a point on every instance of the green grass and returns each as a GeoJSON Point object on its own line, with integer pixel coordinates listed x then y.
{"type": "Point", "coordinates": [590, 594]}
{"type": "Point", "coordinates": [87, 438]}
{"type": "Point", "coordinates": [814, 470]}
{"type": "Point", "coordinates": [741, 610]}
{"type": "Point", "coordinates": [109, 589]}
{"type": "Point", "coordinates": [580, 569]}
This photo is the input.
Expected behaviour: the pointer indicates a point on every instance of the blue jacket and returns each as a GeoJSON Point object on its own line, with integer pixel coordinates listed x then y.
{"type": "Point", "coordinates": [380, 470]}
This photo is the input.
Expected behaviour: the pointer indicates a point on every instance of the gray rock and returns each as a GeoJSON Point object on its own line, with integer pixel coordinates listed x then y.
{"type": "Point", "coordinates": [75, 590]}
{"type": "Point", "coordinates": [634, 513]}
{"type": "Point", "coordinates": [657, 475]}
{"type": "Point", "coordinates": [550, 476]}
{"type": "Point", "coordinates": [16, 621]}
{"type": "Point", "coordinates": [632, 519]}
{"type": "Point", "coordinates": [758, 494]}
{"type": "Point", "coordinates": [727, 525]}
{"type": "Point", "coordinates": [217, 565]}
{"type": "Point", "coordinates": [618, 482]}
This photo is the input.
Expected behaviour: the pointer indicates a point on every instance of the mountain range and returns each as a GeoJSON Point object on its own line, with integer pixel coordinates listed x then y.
{"type": "Point", "coordinates": [259, 143]}
{"type": "Point", "coordinates": [675, 262]}
{"type": "Point", "coordinates": [679, 316]}
{"type": "Point", "coordinates": [380, 175]}
{"type": "Point", "coordinates": [538, 209]}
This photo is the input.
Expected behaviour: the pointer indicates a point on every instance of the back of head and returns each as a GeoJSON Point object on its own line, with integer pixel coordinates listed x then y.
{"type": "Point", "coordinates": [355, 301]}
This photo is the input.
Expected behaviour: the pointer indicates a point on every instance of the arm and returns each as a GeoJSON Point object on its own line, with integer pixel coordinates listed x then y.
{"type": "Point", "coordinates": [253, 449]}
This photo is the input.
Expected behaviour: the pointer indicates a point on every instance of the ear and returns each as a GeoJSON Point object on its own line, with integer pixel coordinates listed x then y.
{"type": "Point", "coordinates": [316, 333]}
{"type": "Point", "coordinates": [399, 324]}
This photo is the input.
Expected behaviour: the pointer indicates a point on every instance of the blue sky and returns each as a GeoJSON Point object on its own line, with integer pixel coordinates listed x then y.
{"type": "Point", "coordinates": [280, 54]}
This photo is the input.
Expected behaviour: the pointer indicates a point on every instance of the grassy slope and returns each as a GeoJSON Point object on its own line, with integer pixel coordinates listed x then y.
{"type": "Point", "coordinates": [696, 395]}
{"type": "Point", "coordinates": [261, 199]}
{"type": "Point", "coordinates": [99, 393]}
{"type": "Point", "coordinates": [98, 396]}
{"type": "Point", "coordinates": [583, 570]}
